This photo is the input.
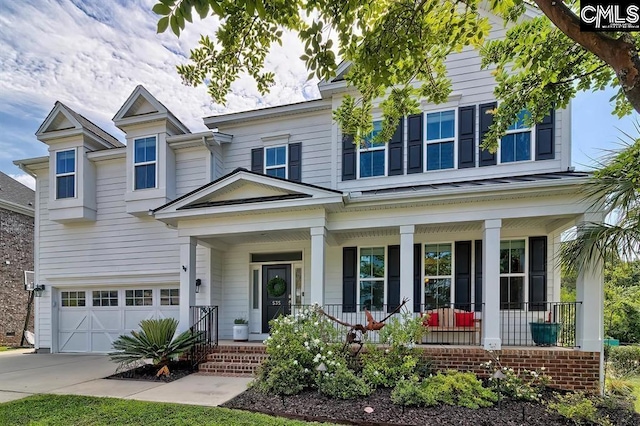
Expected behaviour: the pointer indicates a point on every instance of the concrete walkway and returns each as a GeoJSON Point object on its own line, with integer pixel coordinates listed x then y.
{"type": "Point", "coordinates": [24, 373]}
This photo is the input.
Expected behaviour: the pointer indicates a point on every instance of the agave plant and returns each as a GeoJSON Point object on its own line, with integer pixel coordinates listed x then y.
{"type": "Point", "coordinates": [154, 341]}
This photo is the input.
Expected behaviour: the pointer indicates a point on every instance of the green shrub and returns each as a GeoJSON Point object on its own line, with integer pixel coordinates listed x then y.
{"type": "Point", "coordinates": [282, 378]}
{"type": "Point", "coordinates": [578, 408]}
{"type": "Point", "coordinates": [402, 330]}
{"type": "Point", "coordinates": [384, 367]}
{"type": "Point", "coordinates": [618, 387]}
{"type": "Point", "coordinates": [154, 341]}
{"type": "Point", "coordinates": [342, 384]}
{"type": "Point", "coordinates": [518, 384]}
{"type": "Point", "coordinates": [625, 360]}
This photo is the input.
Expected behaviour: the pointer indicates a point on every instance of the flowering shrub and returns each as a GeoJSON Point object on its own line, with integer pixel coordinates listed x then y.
{"type": "Point", "coordinates": [625, 360]}
{"type": "Point", "coordinates": [384, 367]}
{"type": "Point", "coordinates": [519, 384]}
{"type": "Point", "coordinates": [342, 383]}
{"type": "Point", "coordinates": [403, 330]}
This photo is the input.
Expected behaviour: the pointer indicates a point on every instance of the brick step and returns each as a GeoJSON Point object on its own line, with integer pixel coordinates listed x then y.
{"type": "Point", "coordinates": [257, 349]}
{"type": "Point", "coordinates": [236, 357]}
{"type": "Point", "coordinates": [236, 369]}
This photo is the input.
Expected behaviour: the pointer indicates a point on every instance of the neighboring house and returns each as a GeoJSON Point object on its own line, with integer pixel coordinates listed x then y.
{"type": "Point", "coordinates": [16, 256]}
{"type": "Point", "coordinates": [125, 233]}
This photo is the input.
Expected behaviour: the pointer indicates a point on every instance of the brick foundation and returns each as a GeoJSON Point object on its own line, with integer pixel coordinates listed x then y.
{"type": "Point", "coordinates": [569, 369]}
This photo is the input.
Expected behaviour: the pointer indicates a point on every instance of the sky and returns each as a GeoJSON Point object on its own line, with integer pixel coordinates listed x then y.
{"type": "Point", "coordinates": [91, 54]}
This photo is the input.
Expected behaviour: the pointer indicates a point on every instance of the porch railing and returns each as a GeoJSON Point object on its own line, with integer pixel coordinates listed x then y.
{"type": "Point", "coordinates": [539, 324]}
{"type": "Point", "coordinates": [205, 325]}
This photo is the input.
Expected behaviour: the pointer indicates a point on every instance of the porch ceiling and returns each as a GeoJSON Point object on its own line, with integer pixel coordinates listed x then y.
{"type": "Point", "coordinates": [259, 237]}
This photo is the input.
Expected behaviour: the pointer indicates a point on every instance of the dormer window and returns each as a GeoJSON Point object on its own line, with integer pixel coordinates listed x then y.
{"type": "Point", "coordinates": [516, 144]}
{"type": "Point", "coordinates": [372, 155]}
{"type": "Point", "coordinates": [144, 162]}
{"type": "Point", "coordinates": [276, 161]}
{"type": "Point", "coordinates": [440, 140]}
{"type": "Point", "coordinates": [66, 174]}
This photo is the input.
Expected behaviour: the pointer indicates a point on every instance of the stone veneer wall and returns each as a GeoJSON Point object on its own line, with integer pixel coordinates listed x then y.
{"type": "Point", "coordinates": [569, 369]}
{"type": "Point", "coordinates": [16, 256]}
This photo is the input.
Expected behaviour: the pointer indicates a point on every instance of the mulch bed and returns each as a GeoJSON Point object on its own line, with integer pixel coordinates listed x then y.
{"type": "Point", "coordinates": [311, 406]}
{"type": "Point", "coordinates": [147, 372]}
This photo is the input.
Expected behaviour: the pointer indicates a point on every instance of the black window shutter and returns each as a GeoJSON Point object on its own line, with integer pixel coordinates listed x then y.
{"type": "Point", "coordinates": [478, 272]}
{"type": "Point", "coordinates": [463, 275]}
{"type": "Point", "coordinates": [257, 160]}
{"type": "Point", "coordinates": [467, 137]}
{"type": "Point", "coordinates": [417, 278]}
{"type": "Point", "coordinates": [348, 158]}
{"type": "Point", "coordinates": [544, 137]}
{"type": "Point", "coordinates": [349, 278]}
{"type": "Point", "coordinates": [537, 273]}
{"type": "Point", "coordinates": [396, 145]}
{"type": "Point", "coordinates": [295, 160]}
{"type": "Point", "coordinates": [393, 276]}
{"type": "Point", "coordinates": [414, 144]}
{"type": "Point", "coordinates": [486, 120]}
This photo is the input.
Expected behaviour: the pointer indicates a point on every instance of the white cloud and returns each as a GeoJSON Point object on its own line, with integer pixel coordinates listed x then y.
{"type": "Point", "coordinates": [25, 179]}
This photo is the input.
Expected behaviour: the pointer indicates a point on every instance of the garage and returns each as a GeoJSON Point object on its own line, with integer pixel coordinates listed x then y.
{"type": "Point", "coordinates": [90, 319]}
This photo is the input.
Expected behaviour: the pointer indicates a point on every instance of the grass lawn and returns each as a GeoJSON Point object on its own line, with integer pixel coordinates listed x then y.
{"type": "Point", "coordinates": [4, 348]}
{"type": "Point", "coordinates": [636, 391]}
{"type": "Point", "coordinates": [83, 410]}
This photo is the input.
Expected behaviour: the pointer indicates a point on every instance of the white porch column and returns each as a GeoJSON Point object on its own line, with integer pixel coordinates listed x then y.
{"type": "Point", "coordinates": [491, 338]}
{"type": "Point", "coordinates": [406, 263]}
{"type": "Point", "coordinates": [318, 247]}
{"type": "Point", "coordinates": [590, 291]}
{"type": "Point", "coordinates": [187, 280]}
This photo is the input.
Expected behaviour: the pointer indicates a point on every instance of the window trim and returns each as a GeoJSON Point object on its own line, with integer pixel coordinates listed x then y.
{"type": "Point", "coordinates": [170, 297]}
{"type": "Point", "coordinates": [93, 297]}
{"type": "Point", "coordinates": [532, 144]}
{"type": "Point", "coordinates": [524, 275]}
{"type": "Point", "coordinates": [74, 173]}
{"type": "Point", "coordinates": [144, 163]}
{"type": "Point", "coordinates": [384, 279]}
{"type": "Point", "coordinates": [426, 142]}
{"type": "Point", "coordinates": [452, 277]}
{"type": "Point", "coordinates": [76, 298]}
{"type": "Point", "coordinates": [360, 149]}
{"type": "Point", "coordinates": [134, 297]}
{"type": "Point", "coordinates": [279, 166]}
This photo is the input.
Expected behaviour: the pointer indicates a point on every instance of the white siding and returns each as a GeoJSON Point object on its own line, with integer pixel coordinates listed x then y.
{"type": "Point", "coordinates": [191, 169]}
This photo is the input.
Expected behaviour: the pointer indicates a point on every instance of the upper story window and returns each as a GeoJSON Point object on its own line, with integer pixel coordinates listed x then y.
{"type": "Point", "coordinates": [437, 275]}
{"type": "Point", "coordinates": [372, 278]}
{"type": "Point", "coordinates": [512, 274]}
{"type": "Point", "coordinates": [440, 140]}
{"type": "Point", "coordinates": [66, 174]}
{"type": "Point", "coordinates": [276, 161]}
{"type": "Point", "coordinates": [372, 155]}
{"type": "Point", "coordinates": [144, 162]}
{"type": "Point", "coordinates": [516, 144]}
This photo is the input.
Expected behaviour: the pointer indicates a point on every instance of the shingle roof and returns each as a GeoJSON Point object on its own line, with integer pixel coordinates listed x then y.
{"type": "Point", "coordinates": [93, 128]}
{"type": "Point", "coordinates": [14, 192]}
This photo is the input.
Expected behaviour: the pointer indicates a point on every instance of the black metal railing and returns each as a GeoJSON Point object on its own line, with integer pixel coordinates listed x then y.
{"type": "Point", "coordinates": [205, 325]}
{"type": "Point", "coordinates": [539, 324]}
{"type": "Point", "coordinates": [457, 324]}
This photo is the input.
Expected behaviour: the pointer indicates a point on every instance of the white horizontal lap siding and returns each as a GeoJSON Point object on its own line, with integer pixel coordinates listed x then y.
{"type": "Point", "coordinates": [312, 129]}
{"type": "Point", "coordinates": [217, 262]}
{"type": "Point", "coordinates": [191, 172]}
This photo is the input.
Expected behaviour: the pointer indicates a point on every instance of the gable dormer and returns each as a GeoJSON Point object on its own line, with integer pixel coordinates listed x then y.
{"type": "Point", "coordinates": [150, 160]}
{"type": "Point", "coordinates": [72, 188]}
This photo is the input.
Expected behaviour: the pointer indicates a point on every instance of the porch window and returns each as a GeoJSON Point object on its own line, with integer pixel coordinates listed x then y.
{"type": "Point", "coordinates": [73, 298]}
{"type": "Point", "coordinates": [440, 140]}
{"type": "Point", "coordinates": [437, 275]}
{"type": "Point", "coordinates": [144, 162]}
{"type": "Point", "coordinates": [371, 281]}
{"type": "Point", "coordinates": [139, 297]}
{"type": "Point", "coordinates": [170, 297]}
{"type": "Point", "coordinates": [372, 156]}
{"type": "Point", "coordinates": [66, 174]}
{"type": "Point", "coordinates": [516, 144]}
{"type": "Point", "coordinates": [105, 298]}
{"type": "Point", "coordinates": [276, 161]}
{"type": "Point", "coordinates": [512, 274]}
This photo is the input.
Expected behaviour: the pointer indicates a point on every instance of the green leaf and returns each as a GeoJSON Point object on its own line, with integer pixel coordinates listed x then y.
{"type": "Point", "coordinates": [163, 23]}
{"type": "Point", "coordinates": [175, 26]}
{"type": "Point", "coordinates": [161, 9]}
{"type": "Point", "coordinates": [217, 9]}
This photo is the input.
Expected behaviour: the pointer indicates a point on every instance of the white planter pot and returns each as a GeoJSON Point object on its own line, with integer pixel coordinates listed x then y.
{"type": "Point", "coordinates": [240, 332]}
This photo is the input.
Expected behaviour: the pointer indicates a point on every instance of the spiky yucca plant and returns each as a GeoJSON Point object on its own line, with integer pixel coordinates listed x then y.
{"type": "Point", "coordinates": [154, 341]}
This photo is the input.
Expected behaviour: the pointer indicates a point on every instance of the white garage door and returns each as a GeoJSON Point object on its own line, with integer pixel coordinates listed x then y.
{"type": "Point", "coordinates": [89, 320]}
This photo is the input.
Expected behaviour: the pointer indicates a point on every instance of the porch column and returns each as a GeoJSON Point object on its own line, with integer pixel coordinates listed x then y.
{"type": "Point", "coordinates": [491, 338]}
{"type": "Point", "coordinates": [318, 247]}
{"type": "Point", "coordinates": [187, 280]}
{"type": "Point", "coordinates": [590, 291]}
{"type": "Point", "coordinates": [406, 263]}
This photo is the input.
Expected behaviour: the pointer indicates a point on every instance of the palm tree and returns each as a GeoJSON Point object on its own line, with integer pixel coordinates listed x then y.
{"type": "Point", "coordinates": [614, 187]}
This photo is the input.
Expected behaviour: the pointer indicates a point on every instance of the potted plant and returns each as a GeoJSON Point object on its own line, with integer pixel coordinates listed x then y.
{"type": "Point", "coordinates": [545, 333]}
{"type": "Point", "coordinates": [240, 330]}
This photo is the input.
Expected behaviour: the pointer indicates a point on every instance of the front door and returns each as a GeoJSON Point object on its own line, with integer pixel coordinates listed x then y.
{"type": "Point", "coordinates": [276, 290]}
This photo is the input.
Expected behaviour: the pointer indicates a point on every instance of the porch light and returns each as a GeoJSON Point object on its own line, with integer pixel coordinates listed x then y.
{"type": "Point", "coordinates": [198, 284]}
{"type": "Point", "coordinates": [38, 289]}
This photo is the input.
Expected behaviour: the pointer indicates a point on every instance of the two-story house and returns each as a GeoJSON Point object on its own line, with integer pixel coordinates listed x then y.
{"type": "Point", "coordinates": [174, 219]}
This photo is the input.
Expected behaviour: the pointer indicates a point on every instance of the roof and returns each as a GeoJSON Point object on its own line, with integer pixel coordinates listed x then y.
{"type": "Point", "coordinates": [13, 192]}
{"type": "Point", "coordinates": [92, 127]}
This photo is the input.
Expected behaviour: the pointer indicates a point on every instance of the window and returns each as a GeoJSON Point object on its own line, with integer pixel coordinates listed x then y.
{"type": "Point", "coordinates": [139, 297]}
{"type": "Point", "coordinates": [372, 278]}
{"type": "Point", "coordinates": [440, 140]}
{"type": "Point", "coordinates": [372, 155]}
{"type": "Point", "coordinates": [516, 144]}
{"type": "Point", "coordinates": [105, 298]}
{"type": "Point", "coordinates": [66, 174]}
{"type": "Point", "coordinates": [170, 297]}
{"type": "Point", "coordinates": [512, 267]}
{"type": "Point", "coordinates": [144, 163]}
{"type": "Point", "coordinates": [437, 275]}
{"type": "Point", "coordinates": [276, 161]}
{"type": "Point", "coordinates": [73, 298]}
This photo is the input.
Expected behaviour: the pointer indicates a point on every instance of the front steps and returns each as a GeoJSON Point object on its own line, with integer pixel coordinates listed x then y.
{"type": "Point", "coordinates": [234, 360]}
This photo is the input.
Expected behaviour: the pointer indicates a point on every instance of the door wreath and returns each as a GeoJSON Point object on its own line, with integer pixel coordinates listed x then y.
{"type": "Point", "coordinates": [276, 287]}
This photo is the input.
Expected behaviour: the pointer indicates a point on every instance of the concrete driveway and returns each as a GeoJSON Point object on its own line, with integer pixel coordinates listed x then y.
{"type": "Point", "coordinates": [24, 373]}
